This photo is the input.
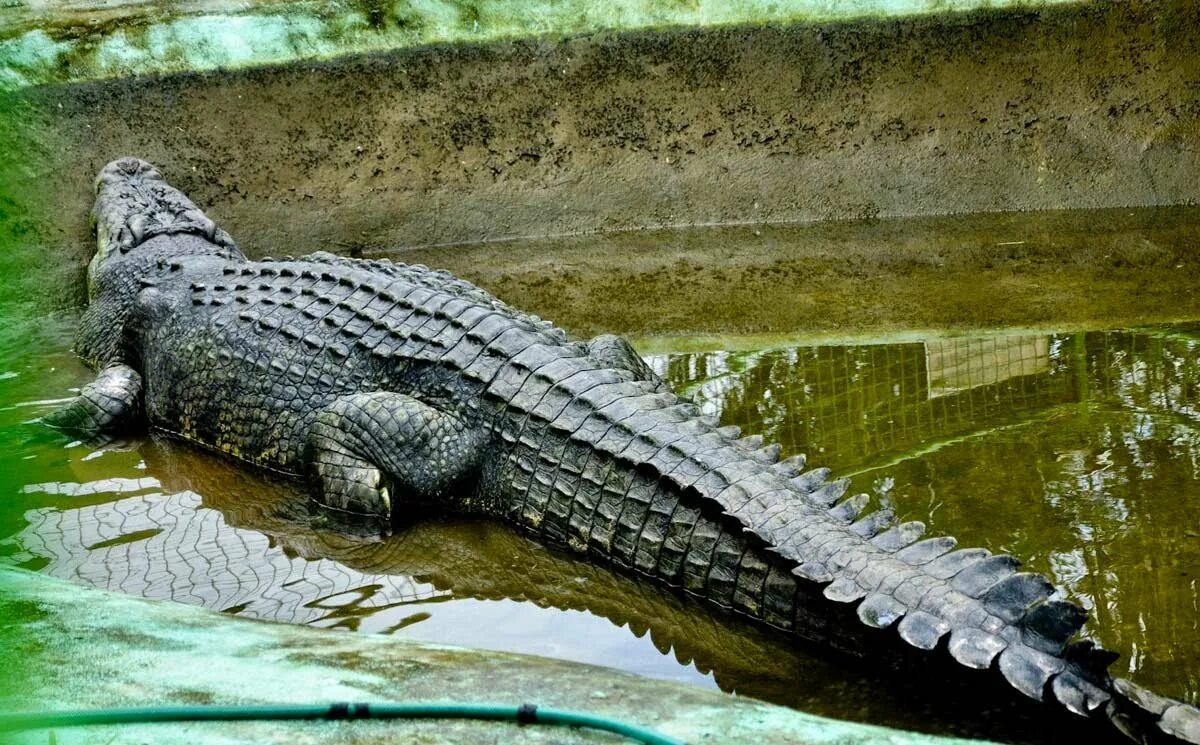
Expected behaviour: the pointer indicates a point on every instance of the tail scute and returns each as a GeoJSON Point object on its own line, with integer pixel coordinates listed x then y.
{"type": "Point", "coordinates": [848, 510]}
{"type": "Point", "coordinates": [923, 630]}
{"type": "Point", "coordinates": [900, 537]}
{"type": "Point", "coordinates": [1181, 721]}
{"type": "Point", "coordinates": [1012, 596]}
{"type": "Point", "coordinates": [1050, 625]}
{"type": "Point", "coordinates": [923, 552]}
{"type": "Point", "coordinates": [810, 480]}
{"type": "Point", "coordinates": [844, 590]}
{"type": "Point", "coordinates": [1029, 670]}
{"type": "Point", "coordinates": [830, 492]}
{"type": "Point", "coordinates": [880, 611]}
{"type": "Point", "coordinates": [1077, 694]}
{"type": "Point", "coordinates": [950, 564]}
{"type": "Point", "coordinates": [790, 466]}
{"type": "Point", "coordinates": [873, 524]}
{"type": "Point", "coordinates": [813, 572]}
{"type": "Point", "coordinates": [975, 648]}
{"type": "Point", "coordinates": [980, 576]}
{"type": "Point", "coordinates": [1087, 656]}
{"type": "Point", "coordinates": [1141, 714]}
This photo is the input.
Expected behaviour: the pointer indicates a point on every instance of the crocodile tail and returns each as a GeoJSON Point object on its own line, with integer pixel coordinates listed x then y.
{"type": "Point", "coordinates": [985, 611]}
{"type": "Point", "coordinates": [1146, 716]}
{"type": "Point", "coordinates": [978, 606]}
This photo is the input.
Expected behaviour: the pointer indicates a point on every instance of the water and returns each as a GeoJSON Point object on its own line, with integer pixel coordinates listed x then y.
{"type": "Point", "coordinates": [1076, 451]}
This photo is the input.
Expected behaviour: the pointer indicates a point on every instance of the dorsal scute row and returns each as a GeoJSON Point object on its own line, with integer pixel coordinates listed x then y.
{"type": "Point", "coordinates": [440, 321]}
{"type": "Point", "coordinates": [435, 279]}
{"type": "Point", "coordinates": [636, 423]}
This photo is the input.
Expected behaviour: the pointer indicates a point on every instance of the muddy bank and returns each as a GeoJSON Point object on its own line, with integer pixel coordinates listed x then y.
{"type": "Point", "coordinates": [1058, 107]}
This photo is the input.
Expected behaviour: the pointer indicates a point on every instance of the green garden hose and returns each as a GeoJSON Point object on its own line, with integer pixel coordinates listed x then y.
{"type": "Point", "coordinates": [523, 714]}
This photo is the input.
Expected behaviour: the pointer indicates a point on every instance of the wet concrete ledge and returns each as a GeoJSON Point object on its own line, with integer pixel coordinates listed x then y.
{"type": "Point", "coordinates": [1066, 106]}
{"type": "Point", "coordinates": [74, 647]}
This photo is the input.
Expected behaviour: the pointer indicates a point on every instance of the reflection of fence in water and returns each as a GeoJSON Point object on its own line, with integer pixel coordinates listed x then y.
{"type": "Point", "coordinates": [166, 546]}
{"type": "Point", "coordinates": [955, 365]}
{"type": "Point", "coordinates": [1156, 371]}
{"type": "Point", "coordinates": [849, 405]}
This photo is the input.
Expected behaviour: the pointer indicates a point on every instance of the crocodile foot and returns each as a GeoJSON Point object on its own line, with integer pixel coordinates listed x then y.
{"type": "Point", "coordinates": [107, 405]}
{"type": "Point", "coordinates": [372, 451]}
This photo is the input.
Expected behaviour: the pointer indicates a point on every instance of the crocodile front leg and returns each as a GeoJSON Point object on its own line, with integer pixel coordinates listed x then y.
{"type": "Point", "coordinates": [370, 452]}
{"type": "Point", "coordinates": [110, 403]}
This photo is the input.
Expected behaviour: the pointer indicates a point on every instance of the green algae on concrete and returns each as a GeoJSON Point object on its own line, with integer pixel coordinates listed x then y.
{"type": "Point", "coordinates": [45, 43]}
{"type": "Point", "coordinates": [129, 652]}
{"type": "Point", "coordinates": [26, 206]}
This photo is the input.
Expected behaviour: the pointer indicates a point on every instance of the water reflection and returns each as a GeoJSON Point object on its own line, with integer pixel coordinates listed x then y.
{"type": "Point", "coordinates": [163, 546]}
{"type": "Point", "coordinates": [859, 406]}
{"type": "Point", "coordinates": [1076, 452]}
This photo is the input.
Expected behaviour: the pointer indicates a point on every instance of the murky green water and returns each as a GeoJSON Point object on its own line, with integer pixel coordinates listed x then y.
{"type": "Point", "coordinates": [1077, 451]}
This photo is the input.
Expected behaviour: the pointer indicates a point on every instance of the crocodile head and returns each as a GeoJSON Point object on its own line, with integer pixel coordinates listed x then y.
{"type": "Point", "coordinates": [134, 204]}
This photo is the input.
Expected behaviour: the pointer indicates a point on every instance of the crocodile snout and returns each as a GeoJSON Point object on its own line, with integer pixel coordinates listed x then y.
{"type": "Point", "coordinates": [125, 168]}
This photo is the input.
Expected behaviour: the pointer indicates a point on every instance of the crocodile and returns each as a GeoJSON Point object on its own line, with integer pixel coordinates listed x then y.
{"type": "Point", "coordinates": [395, 389]}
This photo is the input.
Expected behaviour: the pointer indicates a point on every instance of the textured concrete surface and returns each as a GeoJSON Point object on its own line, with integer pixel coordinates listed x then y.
{"type": "Point", "coordinates": [1064, 106]}
{"type": "Point", "coordinates": [125, 651]}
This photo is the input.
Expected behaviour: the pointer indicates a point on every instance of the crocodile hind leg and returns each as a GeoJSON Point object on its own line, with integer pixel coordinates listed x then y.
{"type": "Point", "coordinates": [371, 452]}
{"type": "Point", "coordinates": [110, 403]}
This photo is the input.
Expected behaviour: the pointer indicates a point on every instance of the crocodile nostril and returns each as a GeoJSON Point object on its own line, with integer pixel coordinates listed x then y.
{"type": "Point", "coordinates": [129, 165]}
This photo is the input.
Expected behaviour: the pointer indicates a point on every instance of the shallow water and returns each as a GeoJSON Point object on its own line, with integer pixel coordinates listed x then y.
{"type": "Point", "coordinates": [1076, 451]}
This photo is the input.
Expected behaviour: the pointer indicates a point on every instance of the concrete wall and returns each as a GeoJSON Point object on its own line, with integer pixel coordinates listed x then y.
{"type": "Point", "coordinates": [1065, 106]}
